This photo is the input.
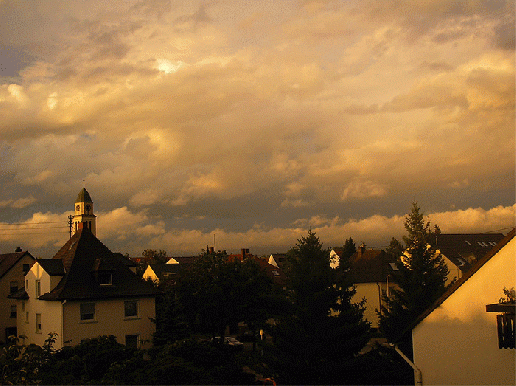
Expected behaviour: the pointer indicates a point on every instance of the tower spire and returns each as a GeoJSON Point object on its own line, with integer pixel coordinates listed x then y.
{"type": "Point", "coordinates": [84, 212]}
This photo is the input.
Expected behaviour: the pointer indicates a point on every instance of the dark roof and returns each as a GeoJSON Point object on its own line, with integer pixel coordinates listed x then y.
{"type": "Point", "coordinates": [83, 196]}
{"type": "Point", "coordinates": [125, 260]}
{"type": "Point", "coordinates": [185, 259]}
{"type": "Point", "coordinates": [370, 266]}
{"type": "Point", "coordinates": [276, 274]}
{"type": "Point", "coordinates": [84, 258]}
{"type": "Point", "coordinates": [479, 264]}
{"type": "Point", "coordinates": [466, 248]}
{"type": "Point", "coordinates": [8, 260]}
{"type": "Point", "coordinates": [53, 267]}
{"type": "Point", "coordinates": [162, 269]}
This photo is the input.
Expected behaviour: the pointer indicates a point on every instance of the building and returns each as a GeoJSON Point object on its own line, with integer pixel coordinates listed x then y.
{"type": "Point", "coordinates": [84, 213]}
{"type": "Point", "coordinates": [13, 267]}
{"type": "Point", "coordinates": [371, 273]}
{"type": "Point", "coordinates": [85, 291]}
{"type": "Point", "coordinates": [461, 250]}
{"type": "Point", "coordinates": [458, 340]}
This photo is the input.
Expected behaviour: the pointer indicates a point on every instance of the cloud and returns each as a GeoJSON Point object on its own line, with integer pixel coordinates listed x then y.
{"type": "Point", "coordinates": [18, 203]}
{"type": "Point", "coordinates": [128, 232]}
{"type": "Point", "coordinates": [255, 113]}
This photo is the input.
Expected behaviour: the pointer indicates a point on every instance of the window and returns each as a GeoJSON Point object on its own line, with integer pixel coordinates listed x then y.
{"type": "Point", "coordinates": [38, 288]}
{"type": "Point", "coordinates": [38, 323]}
{"type": "Point", "coordinates": [87, 311]}
{"type": "Point", "coordinates": [26, 268]}
{"type": "Point", "coordinates": [131, 308]}
{"type": "Point", "coordinates": [26, 285]}
{"type": "Point", "coordinates": [13, 287]}
{"type": "Point", "coordinates": [105, 278]}
{"type": "Point", "coordinates": [131, 341]}
{"type": "Point", "coordinates": [27, 317]}
{"type": "Point", "coordinates": [13, 311]}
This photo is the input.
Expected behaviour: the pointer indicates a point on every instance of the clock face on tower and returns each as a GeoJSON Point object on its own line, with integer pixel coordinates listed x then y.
{"type": "Point", "coordinates": [88, 208]}
{"type": "Point", "coordinates": [78, 208]}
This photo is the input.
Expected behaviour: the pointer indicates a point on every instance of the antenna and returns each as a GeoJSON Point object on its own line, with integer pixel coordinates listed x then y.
{"type": "Point", "coordinates": [70, 218]}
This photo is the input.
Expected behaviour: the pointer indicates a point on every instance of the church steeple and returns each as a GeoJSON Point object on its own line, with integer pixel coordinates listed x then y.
{"type": "Point", "coordinates": [84, 212]}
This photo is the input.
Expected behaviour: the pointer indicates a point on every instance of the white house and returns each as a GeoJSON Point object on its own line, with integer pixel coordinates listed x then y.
{"type": "Point", "coordinates": [456, 341]}
{"type": "Point", "coordinates": [83, 292]}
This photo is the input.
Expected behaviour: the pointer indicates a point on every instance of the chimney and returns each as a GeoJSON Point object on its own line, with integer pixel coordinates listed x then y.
{"type": "Point", "coordinates": [245, 251]}
{"type": "Point", "coordinates": [361, 250]}
{"type": "Point", "coordinates": [212, 250]}
{"type": "Point", "coordinates": [18, 249]}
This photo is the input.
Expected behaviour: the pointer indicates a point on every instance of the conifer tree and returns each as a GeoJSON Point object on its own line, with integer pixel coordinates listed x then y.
{"type": "Point", "coordinates": [323, 330]}
{"type": "Point", "coordinates": [420, 278]}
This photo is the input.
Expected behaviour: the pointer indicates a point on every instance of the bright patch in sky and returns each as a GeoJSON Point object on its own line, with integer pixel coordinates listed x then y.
{"type": "Point", "coordinates": [168, 67]}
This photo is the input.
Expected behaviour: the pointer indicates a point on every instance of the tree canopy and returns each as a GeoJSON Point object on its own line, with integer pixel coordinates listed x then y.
{"type": "Point", "coordinates": [420, 278]}
{"type": "Point", "coordinates": [323, 330]}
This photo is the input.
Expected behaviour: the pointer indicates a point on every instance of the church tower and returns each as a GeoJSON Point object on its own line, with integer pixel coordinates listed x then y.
{"type": "Point", "coordinates": [84, 213]}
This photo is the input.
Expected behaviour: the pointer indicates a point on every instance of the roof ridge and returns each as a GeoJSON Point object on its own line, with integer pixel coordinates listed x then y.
{"type": "Point", "coordinates": [454, 287]}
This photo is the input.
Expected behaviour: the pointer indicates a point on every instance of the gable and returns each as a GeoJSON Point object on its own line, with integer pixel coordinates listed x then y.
{"type": "Point", "coordinates": [9, 260]}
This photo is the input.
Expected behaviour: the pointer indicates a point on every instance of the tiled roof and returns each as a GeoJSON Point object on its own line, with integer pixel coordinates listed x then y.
{"type": "Point", "coordinates": [53, 267]}
{"type": "Point", "coordinates": [464, 249]}
{"type": "Point", "coordinates": [8, 260]}
{"type": "Point", "coordinates": [83, 257]}
{"type": "Point", "coordinates": [476, 266]}
{"type": "Point", "coordinates": [370, 266]}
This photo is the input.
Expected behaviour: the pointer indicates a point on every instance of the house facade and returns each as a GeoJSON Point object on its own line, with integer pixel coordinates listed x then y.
{"type": "Point", "coordinates": [456, 342]}
{"type": "Point", "coordinates": [371, 273]}
{"type": "Point", "coordinates": [13, 267]}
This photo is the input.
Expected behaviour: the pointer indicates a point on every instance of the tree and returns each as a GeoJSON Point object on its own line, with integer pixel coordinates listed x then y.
{"type": "Point", "coordinates": [349, 248]}
{"type": "Point", "coordinates": [324, 330]}
{"type": "Point", "coordinates": [216, 293]}
{"type": "Point", "coordinates": [420, 278]}
{"type": "Point", "coordinates": [154, 256]}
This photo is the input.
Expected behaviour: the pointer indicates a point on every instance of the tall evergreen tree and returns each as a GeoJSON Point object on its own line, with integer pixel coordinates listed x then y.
{"type": "Point", "coordinates": [323, 331]}
{"type": "Point", "coordinates": [420, 278]}
{"type": "Point", "coordinates": [349, 248]}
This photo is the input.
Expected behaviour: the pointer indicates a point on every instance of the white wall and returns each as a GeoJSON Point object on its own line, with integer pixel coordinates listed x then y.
{"type": "Point", "coordinates": [51, 311]}
{"type": "Point", "coordinates": [109, 320]}
{"type": "Point", "coordinates": [458, 342]}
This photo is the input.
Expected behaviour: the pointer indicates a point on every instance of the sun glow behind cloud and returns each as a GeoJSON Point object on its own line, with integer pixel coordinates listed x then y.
{"type": "Point", "coordinates": [258, 114]}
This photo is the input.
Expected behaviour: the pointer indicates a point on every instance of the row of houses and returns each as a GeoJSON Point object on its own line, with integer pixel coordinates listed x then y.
{"type": "Point", "coordinates": [86, 290]}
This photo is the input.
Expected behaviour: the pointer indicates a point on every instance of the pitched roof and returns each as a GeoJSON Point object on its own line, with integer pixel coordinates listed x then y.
{"type": "Point", "coordinates": [162, 269]}
{"type": "Point", "coordinates": [479, 264]}
{"type": "Point", "coordinates": [466, 248]}
{"type": "Point", "coordinates": [370, 266]}
{"type": "Point", "coordinates": [53, 267]}
{"type": "Point", "coordinates": [83, 196]}
{"type": "Point", "coordinates": [8, 260]}
{"type": "Point", "coordinates": [84, 258]}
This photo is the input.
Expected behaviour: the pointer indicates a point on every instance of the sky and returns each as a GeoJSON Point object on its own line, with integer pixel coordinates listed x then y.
{"type": "Point", "coordinates": [242, 124]}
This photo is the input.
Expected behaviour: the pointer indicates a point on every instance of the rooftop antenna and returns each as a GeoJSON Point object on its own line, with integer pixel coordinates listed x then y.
{"type": "Point", "coordinates": [70, 218]}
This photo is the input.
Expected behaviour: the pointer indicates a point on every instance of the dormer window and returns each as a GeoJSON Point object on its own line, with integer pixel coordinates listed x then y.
{"type": "Point", "coordinates": [105, 278]}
